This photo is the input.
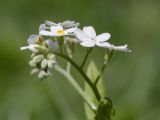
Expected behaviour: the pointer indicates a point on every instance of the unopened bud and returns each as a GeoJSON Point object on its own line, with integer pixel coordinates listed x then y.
{"type": "Point", "coordinates": [38, 58]}
{"type": "Point", "coordinates": [51, 63]}
{"type": "Point", "coordinates": [42, 74]}
{"type": "Point", "coordinates": [34, 71]}
{"type": "Point", "coordinates": [32, 64]}
{"type": "Point", "coordinates": [44, 63]}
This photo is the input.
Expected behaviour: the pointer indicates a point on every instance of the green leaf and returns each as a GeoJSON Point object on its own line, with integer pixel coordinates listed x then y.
{"type": "Point", "coordinates": [92, 73]}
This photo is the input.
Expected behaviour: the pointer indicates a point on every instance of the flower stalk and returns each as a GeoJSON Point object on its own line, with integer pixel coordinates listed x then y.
{"type": "Point", "coordinates": [95, 90]}
{"type": "Point", "coordinates": [107, 57]}
{"type": "Point", "coordinates": [73, 82]}
{"type": "Point", "coordinates": [89, 50]}
{"type": "Point", "coordinates": [69, 52]}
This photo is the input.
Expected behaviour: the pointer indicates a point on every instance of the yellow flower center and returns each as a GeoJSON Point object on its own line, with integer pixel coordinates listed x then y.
{"type": "Point", "coordinates": [60, 32]}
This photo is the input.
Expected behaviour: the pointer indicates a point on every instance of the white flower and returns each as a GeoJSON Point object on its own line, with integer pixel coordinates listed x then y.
{"type": "Point", "coordinates": [88, 38]}
{"type": "Point", "coordinates": [57, 30]}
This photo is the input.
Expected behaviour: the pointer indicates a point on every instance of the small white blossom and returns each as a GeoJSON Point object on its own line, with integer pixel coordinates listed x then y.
{"type": "Point", "coordinates": [88, 38]}
{"type": "Point", "coordinates": [57, 30]}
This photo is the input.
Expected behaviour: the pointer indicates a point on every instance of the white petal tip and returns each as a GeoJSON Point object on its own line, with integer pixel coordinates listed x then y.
{"type": "Point", "coordinates": [122, 48]}
{"type": "Point", "coordinates": [23, 48]}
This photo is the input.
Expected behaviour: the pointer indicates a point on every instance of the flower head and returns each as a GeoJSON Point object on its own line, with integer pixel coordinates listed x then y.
{"type": "Point", "coordinates": [88, 38]}
{"type": "Point", "coordinates": [60, 29]}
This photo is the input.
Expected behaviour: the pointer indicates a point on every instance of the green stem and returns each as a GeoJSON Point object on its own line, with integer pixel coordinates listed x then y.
{"type": "Point", "coordinates": [76, 86]}
{"type": "Point", "coordinates": [60, 41]}
{"type": "Point", "coordinates": [69, 52]}
{"type": "Point", "coordinates": [101, 72]}
{"type": "Point", "coordinates": [102, 69]}
{"type": "Point", "coordinates": [87, 54]}
{"type": "Point", "coordinates": [93, 87]}
{"type": "Point", "coordinates": [61, 49]}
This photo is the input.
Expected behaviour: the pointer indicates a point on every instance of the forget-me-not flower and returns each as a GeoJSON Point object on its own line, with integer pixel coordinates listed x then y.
{"type": "Point", "coordinates": [88, 38]}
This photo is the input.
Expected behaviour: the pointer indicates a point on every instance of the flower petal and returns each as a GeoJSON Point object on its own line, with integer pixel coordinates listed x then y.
{"type": "Point", "coordinates": [47, 33]}
{"type": "Point", "coordinates": [49, 23]}
{"type": "Point", "coordinates": [32, 39]}
{"type": "Point", "coordinates": [30, 47]}
{"type": "Point", "coordinates": [69, 24]}
{"type": "Point", "coordinates": [122, 48]}
{"type": "Point", "coordinates": [54, 29]}
{"type": "Point", "coordinates": [24, 48]}
{"type": "Point", "coordinates": [80, 35]}
{"type": "Point", "coordinates": [87, 44]}
{"type": "Point", "coordinates": [52, 44]}
{"type": "Point", "coordinates": [103, 44]}
{"type": "Point", "coordinates": [103, 37]}
{"type": "Point", "coordinates": [71, 30]}
{"type": "Point", "coordinates": [89, 31]}
{"type": "Point", "coordinates": [42, 27]}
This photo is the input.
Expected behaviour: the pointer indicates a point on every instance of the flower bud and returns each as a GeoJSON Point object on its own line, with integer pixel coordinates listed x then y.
{"type": "Point", "coordinates": [32, 64]}
{"type": "Point", "coordinates": [34, 71]}
{"type": "Point", "coordinates": [42, 74]}
{"type": "Point", "coordinates": [50, 56]}
{"type": "Point", "coordinates": [44, 63]}
{"type": "Point", "coordinates": [51, 63]}
{"type": "Point", "coordinates": [38, 58]}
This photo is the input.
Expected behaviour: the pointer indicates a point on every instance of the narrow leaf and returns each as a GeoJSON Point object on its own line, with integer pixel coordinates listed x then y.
{"type": "Point", "coordinates": [92, 73]}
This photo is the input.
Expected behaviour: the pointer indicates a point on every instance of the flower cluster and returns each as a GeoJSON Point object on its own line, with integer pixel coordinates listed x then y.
{"type": "Point", "coordinates": [42, 60]}
{"type": "Point", "coordinates": [54, 35]}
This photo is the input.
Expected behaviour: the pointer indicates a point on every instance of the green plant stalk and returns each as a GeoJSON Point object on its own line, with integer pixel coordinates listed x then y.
{"type": "Point", "coordinates": [60, 41]}
{"type": "Point", "coordinates": [102, 69]}
{"type": "Point", "coordinates": [101, 72]}
{"type": "Point", "coordinates": [69, 52]}
{"type": "Point", "coordinates": [76, 86]}
{"type": "Point", "coordinates": [93, 87]}
{"type": "Point", "coordinates": [89, 50]}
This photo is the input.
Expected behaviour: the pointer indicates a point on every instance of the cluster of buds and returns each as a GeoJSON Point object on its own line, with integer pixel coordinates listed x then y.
{"type": "Point", "coordinates": [42, 59]}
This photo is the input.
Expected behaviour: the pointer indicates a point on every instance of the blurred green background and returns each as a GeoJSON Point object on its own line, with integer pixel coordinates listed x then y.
{"type": "Point", "coordinates": [132, 80]}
